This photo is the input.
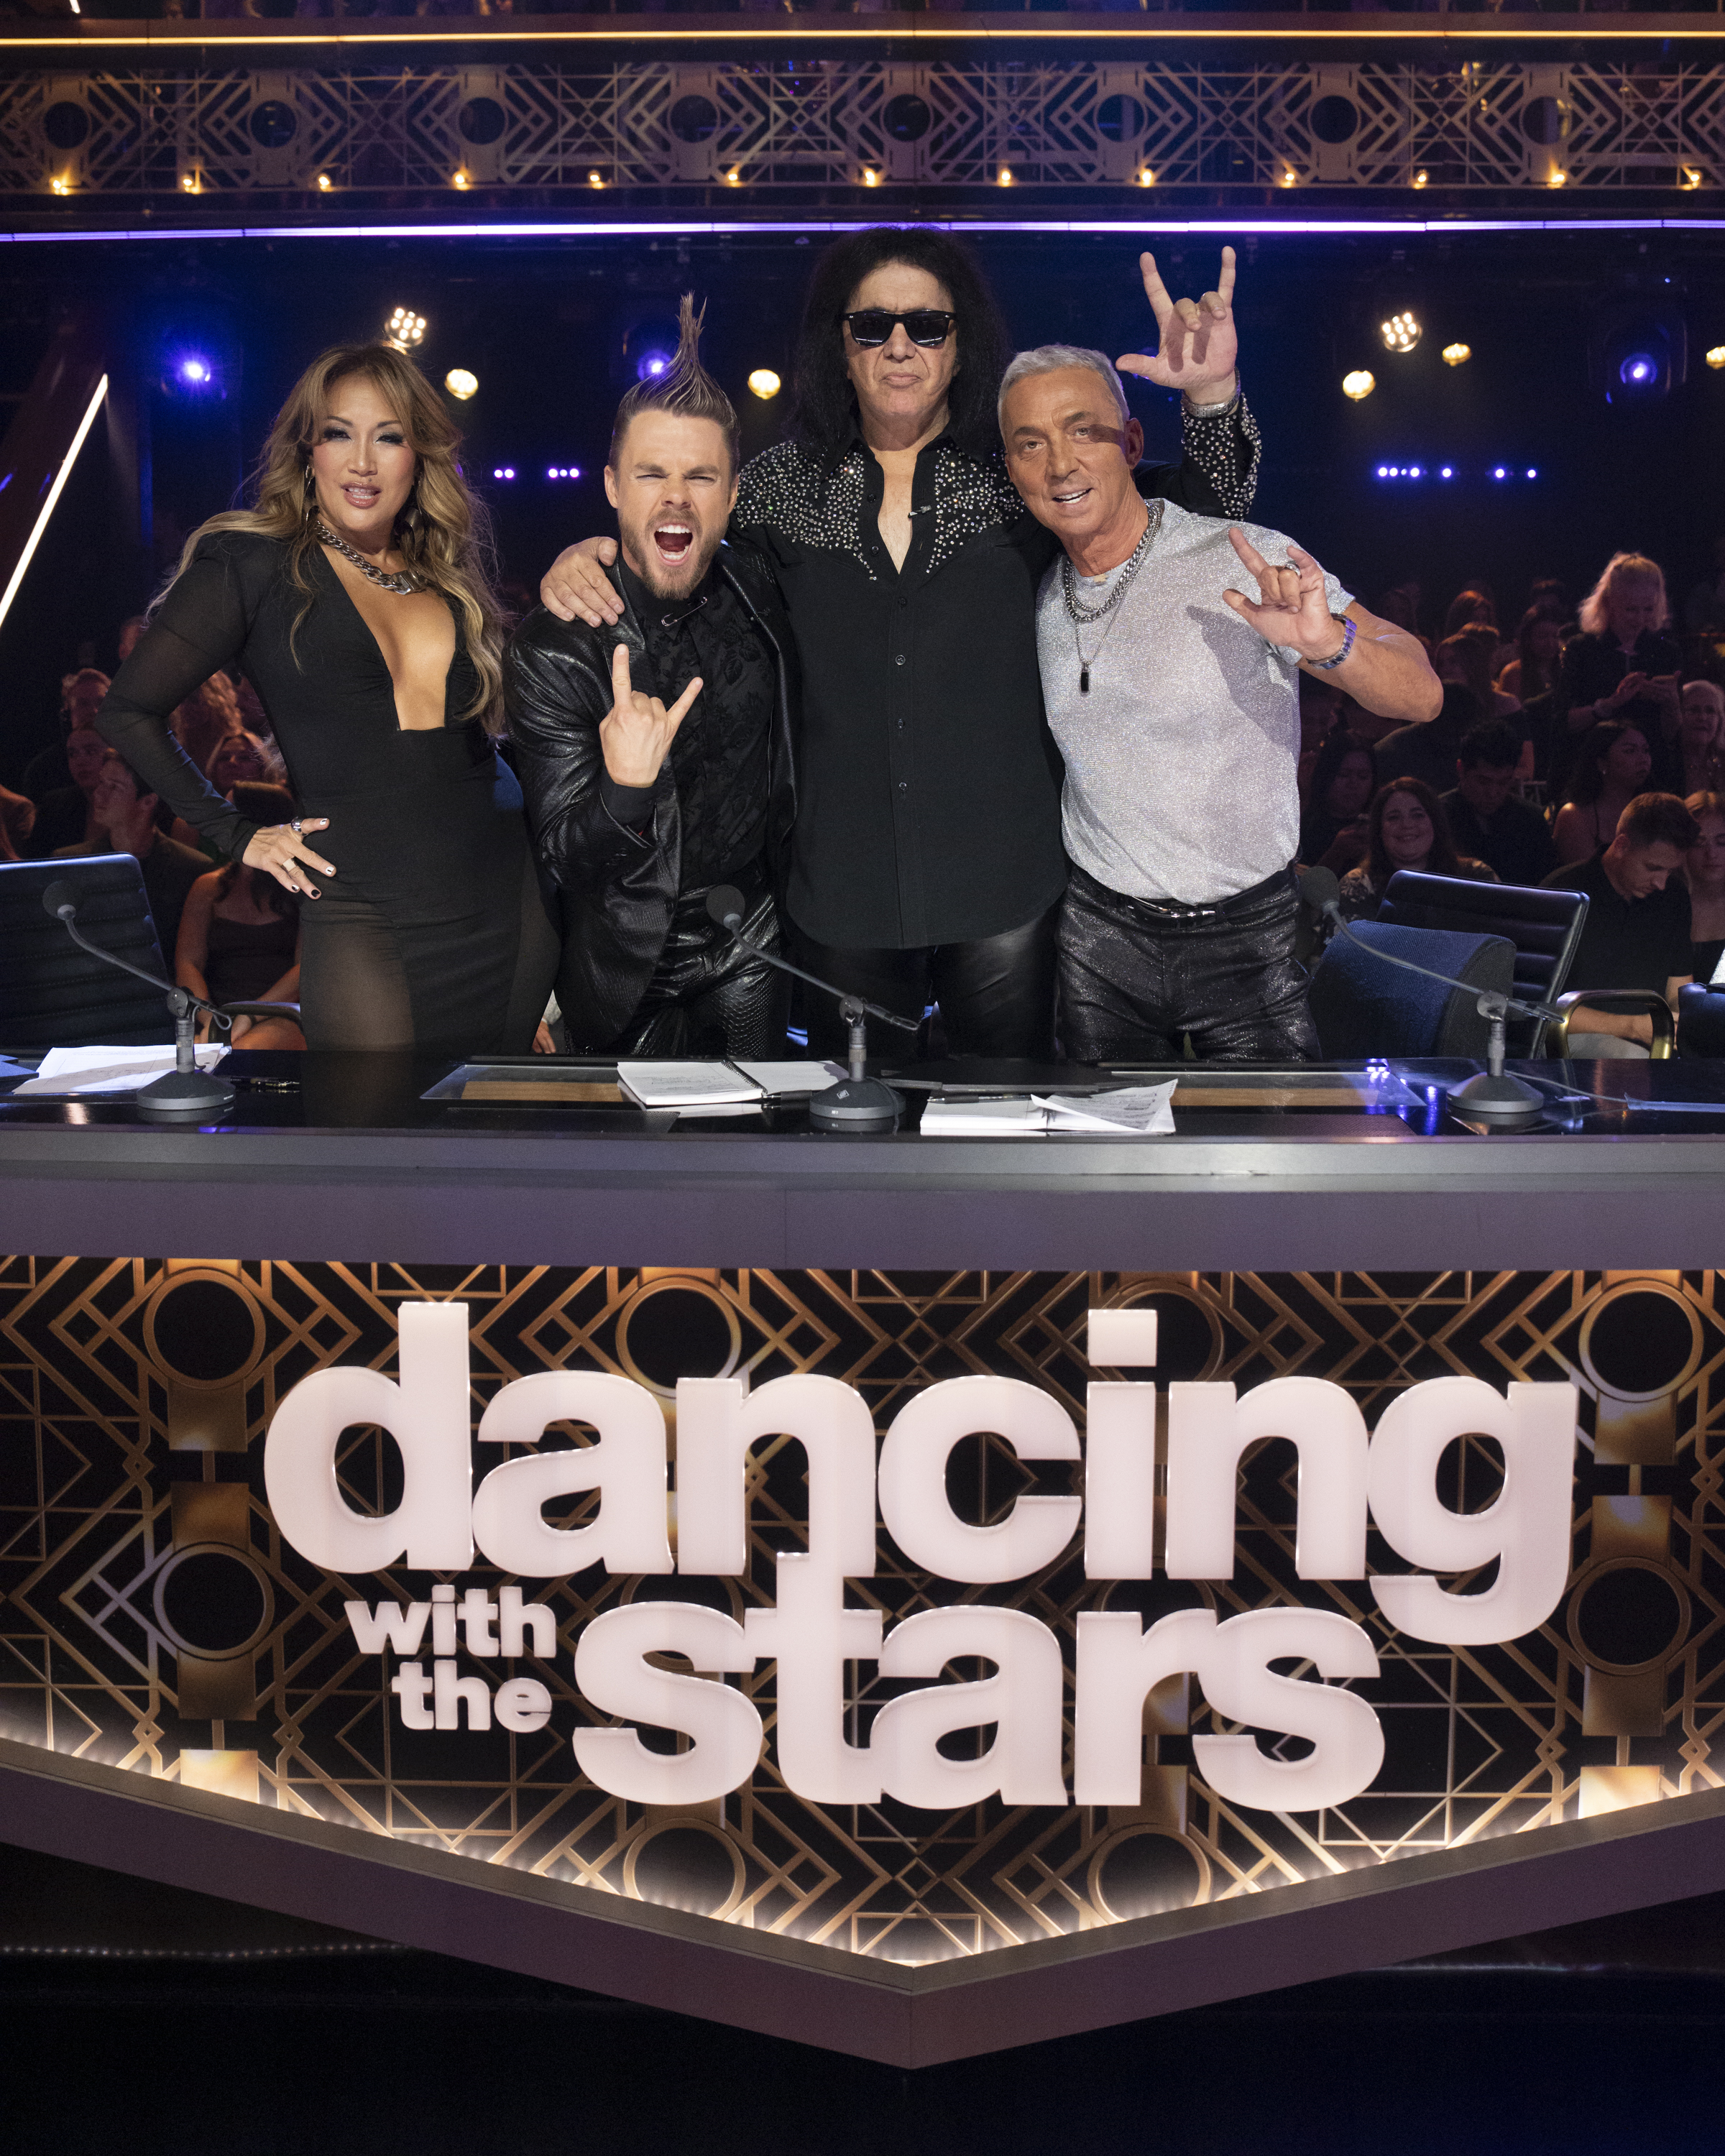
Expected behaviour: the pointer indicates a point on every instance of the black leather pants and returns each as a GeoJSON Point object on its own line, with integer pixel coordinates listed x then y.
{"type": "Point", "coordinates": [708, 995]}
{"type": "Point", "coordinates": [1133, 979]}
{"type": "Point", "coordinates": [996, 993]}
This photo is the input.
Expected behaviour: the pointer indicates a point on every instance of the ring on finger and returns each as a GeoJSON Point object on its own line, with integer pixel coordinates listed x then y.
{"type": "Point", "coordinates": [295, 826]}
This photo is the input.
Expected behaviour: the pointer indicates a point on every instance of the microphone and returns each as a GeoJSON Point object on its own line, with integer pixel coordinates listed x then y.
{"type": "Point", "coordinates": [1493, 1095]}
{"type": "Point", "coordinates": [185, 1093]}
{"type": "Point", "coordinates": [858, 1103]}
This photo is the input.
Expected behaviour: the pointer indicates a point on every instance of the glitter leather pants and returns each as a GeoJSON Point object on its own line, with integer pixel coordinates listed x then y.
{"type": "Point", "coordinates": [1133, 977]}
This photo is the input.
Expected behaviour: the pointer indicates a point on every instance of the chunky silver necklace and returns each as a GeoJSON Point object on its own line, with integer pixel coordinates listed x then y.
{"type": "Point", "coordinates": [1081, 617]}
{"type": "Point", "coordinates": [403, 582]}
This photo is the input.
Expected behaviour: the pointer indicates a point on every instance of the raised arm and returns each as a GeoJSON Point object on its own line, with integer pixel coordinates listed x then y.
{"type": "Point", "coordinates": [1384, 669]}
{"type": "Point", "coordinates": [1197, 353]}
{"type": "Point", "coordinates": [573, 718]}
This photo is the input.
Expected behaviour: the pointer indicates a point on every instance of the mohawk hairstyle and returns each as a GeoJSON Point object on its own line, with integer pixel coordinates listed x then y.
{"type": "Point", "coordinates": [685, 388]}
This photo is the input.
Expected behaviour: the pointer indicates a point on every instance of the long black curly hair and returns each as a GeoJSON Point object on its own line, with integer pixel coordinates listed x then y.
{"type": "Point", "coordinates": [824, 413]}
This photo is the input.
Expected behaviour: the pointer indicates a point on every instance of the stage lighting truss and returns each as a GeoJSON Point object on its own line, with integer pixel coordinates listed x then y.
{"type": "Point", "coordinates": [1063, 123]}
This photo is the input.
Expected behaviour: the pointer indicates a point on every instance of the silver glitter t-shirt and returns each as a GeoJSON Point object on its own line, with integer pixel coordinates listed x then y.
{"type": "Point", "coordinates": [1181, 762]}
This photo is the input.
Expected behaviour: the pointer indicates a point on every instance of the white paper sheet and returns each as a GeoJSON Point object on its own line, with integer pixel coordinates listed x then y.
{"type": "Point", "coordinates": [781, 1079]}
{"type": "Point", "coordinates": [109, 1069]}
{"type": "Point", "coordinates": [1132, 1111]}
{"type": "Point", "coordinates": [685, 1085]}
{"type": "Point", "coordinates": [1144, 1110]}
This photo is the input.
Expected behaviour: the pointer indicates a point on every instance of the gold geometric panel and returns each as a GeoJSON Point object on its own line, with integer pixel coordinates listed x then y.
{"type": "Point", "coordinates": [150, 1600]}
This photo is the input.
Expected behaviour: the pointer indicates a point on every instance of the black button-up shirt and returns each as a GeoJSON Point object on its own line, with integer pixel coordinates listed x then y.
{"type": "Point", "coordinates": [929, 786]}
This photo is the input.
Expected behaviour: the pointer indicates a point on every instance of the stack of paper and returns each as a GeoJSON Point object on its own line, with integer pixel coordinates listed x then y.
{"type": "Point", "coordinates": [108, 1069]}
{"type": "Point", "coordinates": [1132, 1111]}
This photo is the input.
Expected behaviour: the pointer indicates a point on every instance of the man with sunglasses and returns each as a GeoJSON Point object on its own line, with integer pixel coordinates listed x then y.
{"type": "Point", "coordinates": [925, 860]}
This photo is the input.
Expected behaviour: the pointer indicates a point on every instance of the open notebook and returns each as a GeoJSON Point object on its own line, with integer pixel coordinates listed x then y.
{"type": "Point", "coordinates": [722, 1084]}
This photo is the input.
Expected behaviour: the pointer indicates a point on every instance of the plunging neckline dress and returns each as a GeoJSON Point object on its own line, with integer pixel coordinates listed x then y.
{"type": "Point", "coordinates": [432, 935]}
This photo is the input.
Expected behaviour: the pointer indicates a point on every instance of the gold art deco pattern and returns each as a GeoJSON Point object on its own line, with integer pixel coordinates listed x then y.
{"type": "Point", "coordinates": [153, 1619]}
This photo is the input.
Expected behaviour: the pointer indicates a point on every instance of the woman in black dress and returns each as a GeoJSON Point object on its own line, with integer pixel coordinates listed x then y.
{"type": "Point", "coordinates": [354, 598]}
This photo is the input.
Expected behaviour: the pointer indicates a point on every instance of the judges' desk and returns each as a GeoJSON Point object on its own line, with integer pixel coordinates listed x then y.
{"type": "Point", "coordinates": [330, 1155]}
{"type": "Point", "coordinates": [225, 1667]}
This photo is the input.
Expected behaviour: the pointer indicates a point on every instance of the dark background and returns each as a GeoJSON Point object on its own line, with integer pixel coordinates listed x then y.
{"type": "Point", "coordinates": [543, 324]}
{"type": "Point", "coordinates": [166, 2024]}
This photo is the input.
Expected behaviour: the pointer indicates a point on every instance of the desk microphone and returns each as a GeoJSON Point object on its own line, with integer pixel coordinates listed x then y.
{"type": "Point", "coordinates": [1494, 1096]}
{"type": "Point", "coordinates": [858, 1103]}
{"type": "Point", "coordinates": [184, 1093]}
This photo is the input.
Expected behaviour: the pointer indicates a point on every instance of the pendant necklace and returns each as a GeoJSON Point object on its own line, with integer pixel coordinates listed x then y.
{"type": "Point", "coordinates": [402, 582]}
{"type": "Point", "coordinates": [1081, 616]}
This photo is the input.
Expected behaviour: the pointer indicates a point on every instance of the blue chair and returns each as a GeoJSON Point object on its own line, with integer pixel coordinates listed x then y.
{"type": "Point", "coordinates": [1364, 1007]}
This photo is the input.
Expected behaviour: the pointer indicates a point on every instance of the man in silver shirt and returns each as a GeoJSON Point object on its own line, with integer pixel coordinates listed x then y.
{"type": "Point", "coordinates": [1171, 646]}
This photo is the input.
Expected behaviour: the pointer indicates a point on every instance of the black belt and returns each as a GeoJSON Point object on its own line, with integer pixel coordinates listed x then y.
{"type": "Point", "coordinates": [1173, 909]}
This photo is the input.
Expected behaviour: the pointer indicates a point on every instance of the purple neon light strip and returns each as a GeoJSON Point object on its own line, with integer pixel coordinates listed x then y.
{"type": "Point", "coordinates": [1262, 227]}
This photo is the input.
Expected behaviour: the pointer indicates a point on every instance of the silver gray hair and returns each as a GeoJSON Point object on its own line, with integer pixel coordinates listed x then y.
{"type": "Point", "coordinates": [1052, 359]}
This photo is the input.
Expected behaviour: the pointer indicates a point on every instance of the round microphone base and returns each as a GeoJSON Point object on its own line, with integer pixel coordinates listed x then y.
{"type": "Point", "coordinates": [185, 1097]}
{"type": "Point", "coordinates": [861, 1106]}
{"type": "Point", "coordinates": [1503, 1099]}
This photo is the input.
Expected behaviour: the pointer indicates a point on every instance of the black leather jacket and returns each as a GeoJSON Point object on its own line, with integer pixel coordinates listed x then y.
{"type": "Point", "coordinates": [619, 887]}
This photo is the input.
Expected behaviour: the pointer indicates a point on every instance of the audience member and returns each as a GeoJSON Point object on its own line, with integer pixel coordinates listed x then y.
{"type": "Point", "coordinates": [208, 714]}
{"type": "Point", "coordinates": [1343, 780]}
{"type": "Point", "coordinates": [1407, 829]}
{"type": "Point", "coordinates": [1485, 818]}
{"type": "Point", "coordinates": [1636, 934]}
{"type": "Point", "coordinates": [1470, 606]}
{"type": "Point", "coordinates": [1704, 879]}
{"type": "Point", "coordinates": [1400, 604]}
{"type": "Point", "coordinates": [1484, 640]}
{"type": "Point", "coordinates": [81, 695]}
{"type": "Point", "coordinates": [242, 758]}
{"type": "Point", "coordinates": [1625, 662]}
{"type": "Point", "coordinates": [1428, 752]}
{"type": "Point", "coordinates": [1701, 737]}
{"type": "Point", "coordinates": [239, 942]}
{"type": "Point", "coordinates": [1539, 647]}
{"type": "Point", "coordinates": [124, 815]}
{"type": "Point", "coordinates": [66, 817]}
{"type": "Point", "coordinates": [1613, 764]}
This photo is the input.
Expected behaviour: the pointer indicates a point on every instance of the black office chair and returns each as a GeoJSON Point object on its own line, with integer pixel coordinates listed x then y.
{"type": "Point", "coordinates": [1363, 1006]}
{"type": "Point", "coordinates": [1701, 1020]}
{"type": "Point", "coordinates": [1544, 926]}
{"type": "Point", "coordinates": [53, 995]}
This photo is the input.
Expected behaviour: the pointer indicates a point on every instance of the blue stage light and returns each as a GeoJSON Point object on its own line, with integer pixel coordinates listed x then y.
{"type": "Point", "coordinates": [1414, 472]}
{"type": "Point", "coordinates": [1383, 472]}
{"type": "Point", "coordinates": [1532, 471]}
{"type": "Point", "coordinates": [503, 471]}
{"type": "Point", "coordinates": [1500, 473]}
{"type": "Point", "coordinates": [1638, 371]}
{"type": "Point", "coordinates": [1448, 472]}
{"type": "Point", "coordinates": [652, 363]}
{"type": "Point", "coordinates": [195, 371]}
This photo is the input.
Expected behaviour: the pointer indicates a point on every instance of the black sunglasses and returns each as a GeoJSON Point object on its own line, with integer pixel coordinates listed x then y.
{"type": "Point", "coordinates": [925, 326]}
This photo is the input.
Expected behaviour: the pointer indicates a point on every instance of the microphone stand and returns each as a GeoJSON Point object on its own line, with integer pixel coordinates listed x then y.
{"type": "Point", "coordinates": [184, 1093]}
{"type": "Point", "coordinates": [857, 1103]}
{"type": "Point", "coordinates": [1493, 1095]}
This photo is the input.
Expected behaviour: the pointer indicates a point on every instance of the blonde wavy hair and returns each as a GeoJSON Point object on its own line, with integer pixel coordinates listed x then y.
{"type": "Point", "coordinates": [1594, 614]}
{"type": "Point", "coordinates": [443, 533]}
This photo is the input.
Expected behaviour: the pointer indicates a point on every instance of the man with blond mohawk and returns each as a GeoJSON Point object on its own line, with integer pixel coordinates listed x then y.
{"type": "Point", "coordinates": [655, 753]}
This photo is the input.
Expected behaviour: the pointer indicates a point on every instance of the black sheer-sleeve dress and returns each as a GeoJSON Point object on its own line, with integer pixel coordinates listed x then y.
{"type": "Point", "coordinates": [432, 935]}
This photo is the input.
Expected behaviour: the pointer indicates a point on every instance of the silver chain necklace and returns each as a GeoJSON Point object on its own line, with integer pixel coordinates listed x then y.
{"type": "Point", "coordinates": [401, 582]}
{"type": "Point", "coordinates": [1081, 616]}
